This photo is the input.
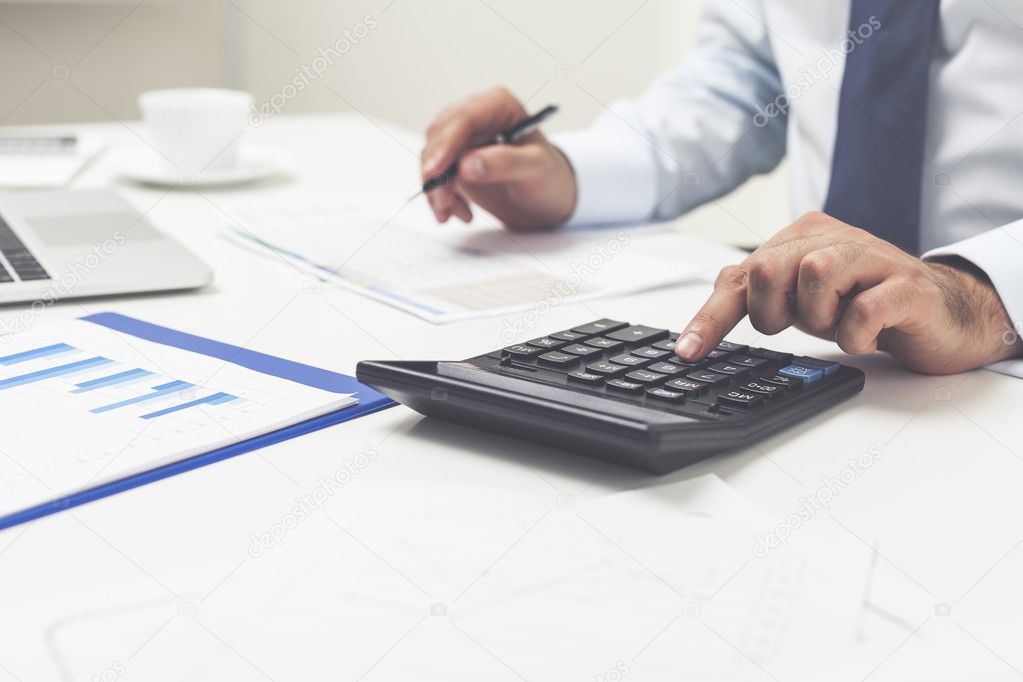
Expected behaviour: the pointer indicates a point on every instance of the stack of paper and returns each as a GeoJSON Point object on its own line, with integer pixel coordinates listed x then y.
{"type": "Point", "coordinates": [387, 248]}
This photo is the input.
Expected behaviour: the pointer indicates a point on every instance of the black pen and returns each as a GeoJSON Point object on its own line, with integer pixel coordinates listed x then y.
{"type": "Point", "coordinates": [510, 136]}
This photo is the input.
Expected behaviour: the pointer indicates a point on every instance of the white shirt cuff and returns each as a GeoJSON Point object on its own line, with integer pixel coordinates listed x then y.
{"type": "Point", "coordinates": [999, 253]}
{"type": "Point", "coordinates": [616, 176]}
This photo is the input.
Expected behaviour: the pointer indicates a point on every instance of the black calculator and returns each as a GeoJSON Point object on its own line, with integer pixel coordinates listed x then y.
{"type": "Point", "coordinates": [617, 391]}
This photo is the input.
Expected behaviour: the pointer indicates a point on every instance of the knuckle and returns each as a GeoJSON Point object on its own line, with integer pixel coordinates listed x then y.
{"type": "Point", "coordinates": [864, 308]}
{"type": "Point", "coordinates": [734, 278]}
{"type": "Point", "coordinates": [722, 274]}
{"type": "Point", "coordinates": [811, 220]}
{"type": "Point", "coordinates": [816, 266]}
{"type": "Point", "coordinates": [764, 269]}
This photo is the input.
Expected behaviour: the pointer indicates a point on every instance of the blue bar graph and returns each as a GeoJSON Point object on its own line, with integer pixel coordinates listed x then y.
{"type": "Point", "coordinates": [158, 392]}
{"type": "Point", "coordinates": [215, 399]}
{"type": "Point", "coordinates": [60, 370]}
{"type": "Point", "coordinates": [35, 353]}
{"type": "Point", "coordinates": [113, 376]}
{"type": "Point", "coordinates": [113, 379]}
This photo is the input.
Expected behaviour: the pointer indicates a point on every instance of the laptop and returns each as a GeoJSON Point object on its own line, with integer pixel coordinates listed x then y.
{"type": "Point", "coordinates": [57, 245]}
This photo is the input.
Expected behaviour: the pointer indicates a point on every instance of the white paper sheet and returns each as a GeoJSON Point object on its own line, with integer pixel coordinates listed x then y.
{"type": "Point", "coordinates": [393, 251]}
{"type": "Point", "coordinates": [43, 164]}
{"type": "Point", "coordinates": [420, 579]}
{"type": "Point", "coordinates": [82, 405]}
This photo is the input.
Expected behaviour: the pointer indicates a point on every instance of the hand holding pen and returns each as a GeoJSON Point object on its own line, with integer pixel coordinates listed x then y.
{"type": "Point", "coordinates": [488, 151]}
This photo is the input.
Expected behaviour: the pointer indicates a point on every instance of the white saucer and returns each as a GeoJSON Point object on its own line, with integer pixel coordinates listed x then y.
{"type": "Point", "coordinates": [143, 164]}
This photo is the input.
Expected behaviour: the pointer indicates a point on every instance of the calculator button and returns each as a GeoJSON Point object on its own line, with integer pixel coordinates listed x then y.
{"type": "Point", "coordinates": [569, 336]}
{"type": "Point", "coordinates": [783, 381]}
{"type": "Point", "coordinates": [666, 368]}
{"type": "Point", "coordinates": [606, 369]}
{"type": "Point", "coordinates": [689, 387]}
{"type": "Point", "coordinates": [665, 394]}
{"type": "Point", "coordinates": [547, 342]}
{"type": "Point", "coordinates": [772, 355]}
{"type": "Point", "coordinates": [755, 364]}
{"type": "Point", "coordinates": [605, 344]}
{"type": "Point", "coordinates": [644, 377]}
{"type": "Point", "coordinates": [675, 360]}
{"type": "Point", "coordinates": [730, 369]}
{"type": "Point", "coordinates": [667, 344]}
{"type": "Point", "coordinates": [712, 378]}
{"type": "Point", "coordinates": [558, 359]}
{"type": "Point", "coordinates": [730, 347]}
{"type": "Point", "coordinates": [581, 350]}
{"type": "Point", "coordinates": [763, 388]}
{"type": "Point", "coordinates": [807, 374]}
{"type": "Point", "coordinates": [638, 333]}
{"type": "Point", "coordinates": [717, 354]}
{"type": "Point", "coordinates": [584, 377]}
{"type": "Point", "coordinates": [522, 350]}
{"type": "Point", "coordinates": [630, 360]}
{"type": "Point", "coordinates": [600, 327]}
{"type": "Point", "coordinates": [627, 386]}
{"type": "Point", "coordinates": [739, 398]}
{"type": "Point", "coordinates": [828, 368]}
{"type": "Point", "coordinates": [649, 352]}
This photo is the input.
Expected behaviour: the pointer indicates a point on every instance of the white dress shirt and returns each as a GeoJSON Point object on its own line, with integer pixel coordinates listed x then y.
{"type": "Point", "coordinates": [764, 83]}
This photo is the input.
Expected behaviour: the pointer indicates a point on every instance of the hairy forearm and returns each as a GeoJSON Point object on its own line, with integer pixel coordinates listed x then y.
{"type": "Point", "coordinates": [974, 306]}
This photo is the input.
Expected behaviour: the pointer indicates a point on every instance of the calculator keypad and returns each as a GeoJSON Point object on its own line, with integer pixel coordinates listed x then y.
{"type": "Point", "coordinates": [637, 363]}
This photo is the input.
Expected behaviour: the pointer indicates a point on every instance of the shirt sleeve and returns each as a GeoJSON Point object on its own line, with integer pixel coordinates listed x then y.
{"type": "Point", "coordinates": [697, 133]}
{"type": "Point", "coordinates": [999, 253]}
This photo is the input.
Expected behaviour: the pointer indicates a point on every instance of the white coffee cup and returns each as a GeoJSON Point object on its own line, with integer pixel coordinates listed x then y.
{"type": "Point", "coordinates": [196, 129]}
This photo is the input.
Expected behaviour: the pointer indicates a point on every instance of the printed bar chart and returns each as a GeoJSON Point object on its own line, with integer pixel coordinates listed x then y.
{"type": "Point", "coordinates": [52, 372]}
{"type": "Point", "coordinates": [118, 389]}
{"type": "Point", "coordinates": [36, 353]}
{"type": "Point", "coordinates": [215, 399]}
{"type": "Point", "coordinates": [112, 380]}
{"type": "Point", "coordinates": [157, 393]}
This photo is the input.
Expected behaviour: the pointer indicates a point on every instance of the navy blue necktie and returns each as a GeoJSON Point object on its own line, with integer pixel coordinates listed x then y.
{"type": "Point", "coordinates": [882, 120]}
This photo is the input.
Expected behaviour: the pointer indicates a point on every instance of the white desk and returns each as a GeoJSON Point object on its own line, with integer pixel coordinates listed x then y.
{"type": "Point", "coordinates": [943, 502]}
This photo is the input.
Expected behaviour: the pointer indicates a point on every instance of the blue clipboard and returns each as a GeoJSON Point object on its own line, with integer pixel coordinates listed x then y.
{"type": "Point", "coordinates": [369, 401]}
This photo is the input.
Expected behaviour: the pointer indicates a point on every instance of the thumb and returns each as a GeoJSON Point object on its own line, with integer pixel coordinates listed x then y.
{"type": "Point", "coordinates": [503, 163]}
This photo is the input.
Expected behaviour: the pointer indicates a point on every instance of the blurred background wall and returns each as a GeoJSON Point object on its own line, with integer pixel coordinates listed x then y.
{"type": "Point", "coordinates": [398, 60]}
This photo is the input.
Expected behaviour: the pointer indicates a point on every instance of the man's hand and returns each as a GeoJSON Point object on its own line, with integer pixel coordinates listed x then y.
{"type": "Point", "coordinates": [843, 284]}
{"type": "Point", "coordinates": [529, 185]}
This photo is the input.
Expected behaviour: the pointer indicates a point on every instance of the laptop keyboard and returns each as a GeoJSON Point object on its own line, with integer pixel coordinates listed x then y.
{"type": "Point", "coordinates": [26, 267]}
{"type": "Point", "coordinates": [638, 364]}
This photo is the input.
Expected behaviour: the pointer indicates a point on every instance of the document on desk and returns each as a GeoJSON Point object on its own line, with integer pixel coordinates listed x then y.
{"type": "Point", "coordinates": [661, 579]}
{"type": "Point", "coordinates": [392, 250]}
{"type": "Point", "coordinates": [34, 160]}
{"type": "Point", "coordinates": [84, 404]}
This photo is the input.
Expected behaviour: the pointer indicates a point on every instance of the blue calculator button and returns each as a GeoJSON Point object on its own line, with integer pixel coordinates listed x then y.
{"type": "Point", "coordinates": [828, 368]}
{"type": "Point", "coordinates": [807, 374]}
